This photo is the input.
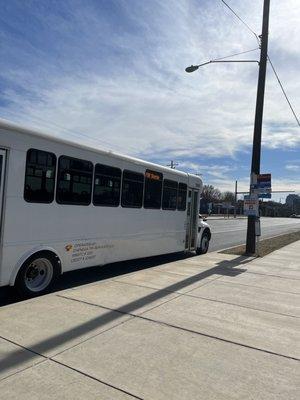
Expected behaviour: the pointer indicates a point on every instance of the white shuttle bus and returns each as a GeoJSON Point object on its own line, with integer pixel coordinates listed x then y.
{"type": "Point", "coordinates": [64, 206]}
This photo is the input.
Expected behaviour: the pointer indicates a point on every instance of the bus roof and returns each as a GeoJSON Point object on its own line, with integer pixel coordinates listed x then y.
{"type": "Point", "coordinates": [8, 125]}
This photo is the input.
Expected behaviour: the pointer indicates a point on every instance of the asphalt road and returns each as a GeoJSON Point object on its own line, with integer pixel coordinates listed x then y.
{"type": "Point", "coordinates": [231, 232]}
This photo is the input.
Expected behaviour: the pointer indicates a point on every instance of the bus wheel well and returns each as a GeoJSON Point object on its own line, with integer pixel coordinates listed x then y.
{"type": "Point", "coordinates": [48, 254]}
{"type": "Point", "coordinates": [207, 231]}
{"type": "Point", "coordinates": [37, 274]}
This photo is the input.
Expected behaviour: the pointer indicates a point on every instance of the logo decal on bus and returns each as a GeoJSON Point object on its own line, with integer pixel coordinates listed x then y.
{"type": "Point", "coordinates": [69, 247]}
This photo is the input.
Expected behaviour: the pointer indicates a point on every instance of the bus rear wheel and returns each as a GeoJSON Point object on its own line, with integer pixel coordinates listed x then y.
{"type": "Point", "coordinates": [37, 274]}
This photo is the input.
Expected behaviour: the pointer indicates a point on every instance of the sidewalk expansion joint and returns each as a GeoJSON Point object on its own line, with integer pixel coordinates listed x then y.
{"type": "Point", "coordinates": [130, 317]}
{"type": "Point", "coordinates": [22, 370]}
{"type": "Point", "coordinates": [188, 294]}
{"type": "Point", "coordinates": [118, 310]}
{"type": "Point", "coordinates": [273, 276]}
{"type": "Point", "coordinates": [166, 290]}
{"type": "Point", "coordinates": [96, 334]}
{"type": "Point", "coordinates": [45, 358]}
{"type": "Point", "coordinates": [220, 339]}
{"type": "Point", "coordinates": [259, 287]}
{"type": "Point", "coordinates": [241, 306]}
{"type": "Point", "coordinates": [50, 358]}
{"type": "Point", "coordinates": [96, 379]}
{"type": "Point", "coordinates": [141, 316]}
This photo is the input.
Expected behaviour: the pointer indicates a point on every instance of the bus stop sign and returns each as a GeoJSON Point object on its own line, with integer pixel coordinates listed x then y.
{"type": "Point", "coordinates": [263, 186]}
{"type": "Point", "coordinates": [251, 205]}
{"type": "Point", "coordinates": [264, 181]}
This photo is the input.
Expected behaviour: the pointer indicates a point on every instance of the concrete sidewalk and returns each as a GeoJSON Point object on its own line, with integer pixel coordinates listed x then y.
{"type": "Point", "coordinates": [208, 327]}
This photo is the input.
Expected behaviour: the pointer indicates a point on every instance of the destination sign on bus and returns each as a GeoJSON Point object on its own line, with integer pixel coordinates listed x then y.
{"type": "Point", "coordinates": [152, 175]}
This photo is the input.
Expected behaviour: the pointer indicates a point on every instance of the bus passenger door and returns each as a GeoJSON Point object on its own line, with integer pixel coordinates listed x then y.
{"type": "Point", "coordinates": [192, 220]}
{"type": "Point", "coordinates": [2, 175]}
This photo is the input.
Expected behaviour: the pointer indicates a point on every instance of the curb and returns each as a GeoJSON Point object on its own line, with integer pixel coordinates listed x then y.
{"type": "Point", "coordinates": [267, 238]}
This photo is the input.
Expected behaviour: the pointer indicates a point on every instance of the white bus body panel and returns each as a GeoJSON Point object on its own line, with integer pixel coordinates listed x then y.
{"type": "Point", "coordinates": [81, 236]}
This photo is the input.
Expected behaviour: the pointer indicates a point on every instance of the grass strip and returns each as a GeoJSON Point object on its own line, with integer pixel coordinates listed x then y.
{"type": "Point", "coordinates": [266, 246]}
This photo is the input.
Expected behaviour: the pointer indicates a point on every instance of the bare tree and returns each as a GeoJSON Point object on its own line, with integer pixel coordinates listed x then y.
{"type": "Point", "coordinates": [210, 194]}
{"type": "Point", "coordinates": [227, 197]}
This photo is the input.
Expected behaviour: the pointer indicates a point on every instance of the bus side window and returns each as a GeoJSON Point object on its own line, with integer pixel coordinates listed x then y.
{"type": "Point", "coordinates": [39, 176]}
{"type": "Point", "coordinates": [132, 189]}
{"type": "Point", "coordinates": [181, 199]}
{"type": "Point", "coordinates": [107, 184]}
{"type": "Point", "coordinates": [74, 181]}
{"type": "Point", "coordinates": [153, 189]}
{"type": "Point", "coordinates": [169, 201]}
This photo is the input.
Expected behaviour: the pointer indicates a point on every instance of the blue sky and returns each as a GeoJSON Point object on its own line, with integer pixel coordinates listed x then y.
{"type": "Point", "coordinates": [110, 73]}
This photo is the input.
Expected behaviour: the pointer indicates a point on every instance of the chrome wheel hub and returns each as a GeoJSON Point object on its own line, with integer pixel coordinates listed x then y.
{"type": "Point", "coordinates": [38, 274]}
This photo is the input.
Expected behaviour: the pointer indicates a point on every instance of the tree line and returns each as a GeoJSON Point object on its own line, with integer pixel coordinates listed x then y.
{"type": "Point", "coordinates": [210, 194]}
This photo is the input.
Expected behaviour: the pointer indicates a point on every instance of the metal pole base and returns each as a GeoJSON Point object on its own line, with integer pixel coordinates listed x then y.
{"type": "Point", "coordinates": [251, 239]}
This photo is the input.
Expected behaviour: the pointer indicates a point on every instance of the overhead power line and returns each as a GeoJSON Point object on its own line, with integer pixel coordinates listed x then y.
{"type": "Point", "coordinates": [242, 21]}
{"type": "Point", "coordinates": [272, 66]}
{"type": "Point", "coordinates": [283, 91]}
{"type": "Point", "coordinates": [75, 133]}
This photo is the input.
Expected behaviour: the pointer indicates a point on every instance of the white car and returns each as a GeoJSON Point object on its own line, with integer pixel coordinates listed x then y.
{"type": "Point", "coordinates": [204, 236]}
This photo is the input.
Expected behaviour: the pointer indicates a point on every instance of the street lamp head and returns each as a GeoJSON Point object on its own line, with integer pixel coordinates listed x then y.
{"type": "Point", "coordinates": [192, 68]}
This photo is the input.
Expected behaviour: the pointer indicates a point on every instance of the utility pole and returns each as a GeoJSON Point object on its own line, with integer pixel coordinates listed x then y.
{"type": "Point", "coordinates": [173, 164]}
{"type": "Point", "coordinates": [235, 199]}
{"type": "Point", "coordinates": [256, 151]}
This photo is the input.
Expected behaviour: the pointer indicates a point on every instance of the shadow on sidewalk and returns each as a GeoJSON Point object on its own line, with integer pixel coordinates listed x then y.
{"type": "Point", "coordinates": [228, 268]}
{"type": "Point", "coordinates": [98, 273]}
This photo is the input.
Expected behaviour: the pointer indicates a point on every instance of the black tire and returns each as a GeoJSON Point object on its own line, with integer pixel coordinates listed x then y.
{"type": "Point", "coordinates": [37, 274]}
{"type": "Point", "coordinates": [204, 244]}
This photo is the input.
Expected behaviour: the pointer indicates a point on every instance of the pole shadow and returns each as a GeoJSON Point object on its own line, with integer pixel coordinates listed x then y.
{"type": "Point", "coordinates": [227, 268]}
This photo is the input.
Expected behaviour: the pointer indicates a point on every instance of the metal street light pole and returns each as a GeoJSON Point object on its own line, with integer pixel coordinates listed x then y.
{"type": "Point", "coordinates": [256, 151]}
{"type": "Point", "coordinates": [194, 68]}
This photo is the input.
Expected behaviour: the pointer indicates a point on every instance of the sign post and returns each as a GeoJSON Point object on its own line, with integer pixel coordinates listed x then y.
{"type": "Point", "coordinates": [255, 164]}
{"type": "Point", "coordinates": [260, 188]}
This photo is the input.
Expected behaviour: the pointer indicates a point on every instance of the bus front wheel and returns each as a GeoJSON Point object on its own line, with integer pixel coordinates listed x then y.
{"type": "Point", "coordinates": [204, 244]}
{"type": "Point", "coordinates": [37, 274]}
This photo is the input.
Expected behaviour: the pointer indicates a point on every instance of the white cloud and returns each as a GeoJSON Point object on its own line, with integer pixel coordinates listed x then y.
{"type": "Point", "coordinates": [124, 87]}
{"type": "Point", "coordinates": [217, 171]}
{"type": "Point", "coordinates": [292, 167]}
